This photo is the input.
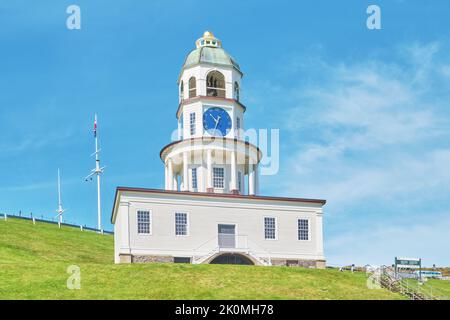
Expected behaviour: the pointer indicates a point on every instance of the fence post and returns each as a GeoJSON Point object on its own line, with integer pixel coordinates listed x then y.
{"type": "Point", "coordinates": [81, 227]}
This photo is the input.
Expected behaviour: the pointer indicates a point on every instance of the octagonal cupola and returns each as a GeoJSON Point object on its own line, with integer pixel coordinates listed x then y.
{"type": "Point", "coordinates": [210, 154]}
{"type": "Point", "coordinates": [208, 40]}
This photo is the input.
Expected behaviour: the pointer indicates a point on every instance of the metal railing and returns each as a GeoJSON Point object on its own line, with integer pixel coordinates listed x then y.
{"type": "Point", "coordinates": [405, 286]}
{"type": "Point", "coordinates": [34, 219]}
{"type": "Point", "coordinates": [232, 241]}
{"type": "Point", "coordinates": [227, 242]}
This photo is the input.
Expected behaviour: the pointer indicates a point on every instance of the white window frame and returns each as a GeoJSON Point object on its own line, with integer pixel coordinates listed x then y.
{"type": "Point", "coordinates": [309, 229]}
{"type": "Point", "coordinates": [192, 124]}
{"type": "Point", "coordinates": [238, 126]}
{"type": "Point", "coordinates": [239, 182]}
{"type": "Point", "coordinates": [175, 224]}
{"type": "Point", "coordinates": [150, 217]}
{"type": "Point", "coordinates": [223, 184]}
{"type": "Point", "coordinates": [264, 228]}
{"type": "Point", "coordinates": [196, 177]}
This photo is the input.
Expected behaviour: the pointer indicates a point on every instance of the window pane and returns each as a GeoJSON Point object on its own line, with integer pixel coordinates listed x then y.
{"type": "Point", "coordinates": [303, 229]}
{"type": "Point", "coordinates": [239, 181]}
{"type": "Point", "coordinates": [180, 224]}
{"type": "Point", "coordinates": [192, 123]}
{"type": "Point", "coordinates": [218, 177]}
{"type": "Point", "coordinates": [269, 228]}
{"type": "Point", "coordinates": [194, 178]}
{"type": "Point", "coordinates": [143, 219]}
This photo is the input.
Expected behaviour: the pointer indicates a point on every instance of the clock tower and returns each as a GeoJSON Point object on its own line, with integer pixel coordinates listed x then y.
{"type": "Point", "coordinates": [210, 153]}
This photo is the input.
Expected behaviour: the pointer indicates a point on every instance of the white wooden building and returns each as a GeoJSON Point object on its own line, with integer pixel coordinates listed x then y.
{"type": "Point", "coordinates": [210, 210]}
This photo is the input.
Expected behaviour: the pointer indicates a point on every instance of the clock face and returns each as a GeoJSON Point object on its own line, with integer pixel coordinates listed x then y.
{"type": "Point", "coordinates": [216, 121]}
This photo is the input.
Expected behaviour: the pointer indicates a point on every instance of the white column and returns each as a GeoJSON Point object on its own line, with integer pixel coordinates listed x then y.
{"type": "Point", "coordinates": [256, 179]}
{"type": "Point", "coordinates": [233, 186]}
{"type": "Point", "coordinates": [166, 177]}
{"type": "Point", "coordinates": [180, 133]}
{"type": "Point", "coordinates": [318, 235]}
{"type": "Point", "coordinates": [175, 182]}
{"type": "Point", "coordinates": [122, 233]}
{"type": "Point", "coordinates": [185, 172]}
{"type": "Point", "coordinates": [251, 180]}
{"type": "Point", "coordinates": [170, 174]}
{"type": "Point", "coordinates": [209, 185]}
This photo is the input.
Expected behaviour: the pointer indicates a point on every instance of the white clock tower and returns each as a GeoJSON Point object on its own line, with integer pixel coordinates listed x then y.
{"type": "Point", "coordinates": [210, 154]}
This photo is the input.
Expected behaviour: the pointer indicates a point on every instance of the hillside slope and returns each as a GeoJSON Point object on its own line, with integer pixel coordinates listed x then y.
{"type": "Point", "coordinates": [34, 260]}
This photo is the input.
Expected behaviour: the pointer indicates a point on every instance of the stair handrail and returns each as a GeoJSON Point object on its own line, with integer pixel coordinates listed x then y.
{"type": "Point", "coordinates": [261, 249]}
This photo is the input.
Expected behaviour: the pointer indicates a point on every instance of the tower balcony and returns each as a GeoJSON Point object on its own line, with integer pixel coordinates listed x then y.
{"type": "Point", "coordinates": [212, 164]}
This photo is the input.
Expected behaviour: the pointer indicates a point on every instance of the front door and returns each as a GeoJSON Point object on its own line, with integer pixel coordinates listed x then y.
{"type": "Point", "coordinates": [227, 235]}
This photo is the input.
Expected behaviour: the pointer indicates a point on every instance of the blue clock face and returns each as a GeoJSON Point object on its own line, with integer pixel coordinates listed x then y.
{"type": "Point", "coordinates": [216, 121]}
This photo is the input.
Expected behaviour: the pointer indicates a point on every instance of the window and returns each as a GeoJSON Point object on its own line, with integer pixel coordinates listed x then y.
{"type": "Point", "coordinates": [236, 91]}
{"type": "Point", "coordinates": [239, 181]}
{"type": "Point", "coordinates": [218, 177]}
{"type": "Point", "coordinates": [215, 84]}
{"type": "Point", "coordinates": [238, 126]}
{"type": "Point", "coordinates": [181, 224]}
{"type": "Point", "coordinates": [192, 123]}
{"type": "Point", "coordinates": [182, 90]}
{"type": "Point", "coordinates": [194, 178]}
{"type": "Point", "coordinates": [303, 229]}
{"type": "Point", "coordinates": [269, 228]}
{"type": "Point", "coordinates": [143, 219]}
{"type": "Point", "coordinates": [192, 87]}
{"type": "Point", "coordinates": [181, 260]}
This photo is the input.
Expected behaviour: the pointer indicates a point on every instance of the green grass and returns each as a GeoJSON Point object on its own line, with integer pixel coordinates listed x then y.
{"type": "Point", "coordinates": [34, 260]}
{"type": "Point", "coordinates": [435, 287]}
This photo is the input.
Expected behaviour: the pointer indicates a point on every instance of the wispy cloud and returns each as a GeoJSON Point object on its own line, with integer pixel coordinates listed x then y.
{"type": "Point", "coordinates": [374, 124]}
{"type": "Point", "coordinates": [33, 142]}
{"type": "Point", "coordinates": [371, 134]}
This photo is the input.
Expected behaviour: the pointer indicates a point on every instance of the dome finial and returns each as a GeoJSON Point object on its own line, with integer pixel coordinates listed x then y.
{"type": "Point", "coordinates": [208, 40]}
{"type": "Point", "coordinates": [208, 35]}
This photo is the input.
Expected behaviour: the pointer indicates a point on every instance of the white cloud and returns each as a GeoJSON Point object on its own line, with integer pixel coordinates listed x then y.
{"type": "Point", "coordinates": [375, 127]}
{"type": "Point", "coordinates": [373, 135]}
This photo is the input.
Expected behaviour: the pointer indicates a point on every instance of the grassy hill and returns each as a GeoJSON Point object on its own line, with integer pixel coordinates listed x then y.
{"type": "Point", "coordinates": [34, 260]}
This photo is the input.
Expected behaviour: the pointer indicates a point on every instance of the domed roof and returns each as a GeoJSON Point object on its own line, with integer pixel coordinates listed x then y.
{"type": "Point", "coordinates": [209, 50]}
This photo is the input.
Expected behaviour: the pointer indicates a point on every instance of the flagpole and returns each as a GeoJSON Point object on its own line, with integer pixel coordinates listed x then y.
{"type": "Point", "coordinates": [60, 210]}
{"type": "Point", "coordinates": [97, 171]}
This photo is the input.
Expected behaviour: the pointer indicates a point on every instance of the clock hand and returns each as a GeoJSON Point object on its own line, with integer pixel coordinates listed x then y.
{"type": "Point", "coordinates": [217, 123]}
{"type": "Point", "coordinates": [215, 120]}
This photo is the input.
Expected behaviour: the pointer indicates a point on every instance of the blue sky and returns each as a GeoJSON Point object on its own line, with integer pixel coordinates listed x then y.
{"type": "Point", "coordinates": [363, 115]}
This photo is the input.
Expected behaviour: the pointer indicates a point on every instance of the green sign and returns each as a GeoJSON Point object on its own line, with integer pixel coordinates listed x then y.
{"type": "Point", "coordinates": [407, 263]}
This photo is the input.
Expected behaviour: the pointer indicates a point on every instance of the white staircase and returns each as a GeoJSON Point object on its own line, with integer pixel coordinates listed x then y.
{"type": "Point", "coordinates": [242, 245]}
{"type": "Point", "coordinates": [203, 258]}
